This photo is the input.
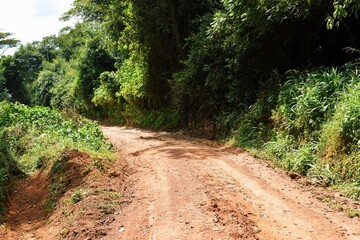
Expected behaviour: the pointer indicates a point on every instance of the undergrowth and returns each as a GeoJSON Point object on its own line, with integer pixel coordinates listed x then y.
{"type": "Point", "coordinates": [35, 138]}
{"type": "Point", "coordinates": [152, 119]}
{"type": "Point", "coordinates": [313, 129]}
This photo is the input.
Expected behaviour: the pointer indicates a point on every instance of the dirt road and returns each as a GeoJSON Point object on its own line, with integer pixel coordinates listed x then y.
{"type": "Point", "coordinates": [189, 189]}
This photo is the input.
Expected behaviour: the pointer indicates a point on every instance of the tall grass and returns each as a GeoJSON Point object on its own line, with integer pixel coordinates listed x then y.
{"type": "Point", "coordinates": [314, 128]}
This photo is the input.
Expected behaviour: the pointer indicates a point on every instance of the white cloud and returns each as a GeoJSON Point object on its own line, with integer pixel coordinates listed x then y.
{"type": "Point", "coordinates": [31, 20]}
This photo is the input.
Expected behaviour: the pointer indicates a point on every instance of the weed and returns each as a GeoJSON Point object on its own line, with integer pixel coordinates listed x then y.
{"type": "Point", "coordinates": [280, 147]}
{"type": "Point", "coordinates": [98, 164]}
{"type": "Point", "coordinates": [351, 190]}
{"type": "Point", "coordinates": [77, 196]}
{"type": "Point", "coordinates": [324, 174]}
{"type": "Point", "coordinates": [57, 187]}
{"type": "Point", "coordinates": [110, 203]}
{"type": "Point", "coordinates": [338, 206]}
{"type": "Point", "coordinates": [352, 212]}
{"type": "Point", "coordinates": [300, 160]}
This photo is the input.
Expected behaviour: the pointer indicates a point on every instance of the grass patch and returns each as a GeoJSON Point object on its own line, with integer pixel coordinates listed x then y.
{"type": "Point", "coordinates": [37, 138]}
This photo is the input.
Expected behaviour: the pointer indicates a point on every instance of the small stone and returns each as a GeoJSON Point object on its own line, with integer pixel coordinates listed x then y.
{"type": "Point", "coordinates": [216, 229]}
{"type": "Point", "coordinates": [256, 229]}
{"type": "Point", "coordinates": [121, 229]}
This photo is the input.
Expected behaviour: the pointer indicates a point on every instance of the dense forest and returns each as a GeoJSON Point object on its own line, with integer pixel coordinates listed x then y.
{"type": "Point", "coordinates": [279, 78]}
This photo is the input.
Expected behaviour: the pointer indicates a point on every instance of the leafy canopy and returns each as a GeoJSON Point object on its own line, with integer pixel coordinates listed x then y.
{"type": "Point", "coordinates": [7, 42]}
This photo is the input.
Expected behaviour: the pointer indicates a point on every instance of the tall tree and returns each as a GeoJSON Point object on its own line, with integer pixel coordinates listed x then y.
{"type": "Point", "coordinates": [7, 42]}
{"type": "Point", "coordinates": [21, 70]}
{"type": "Point", "coordinates": [151, 35]}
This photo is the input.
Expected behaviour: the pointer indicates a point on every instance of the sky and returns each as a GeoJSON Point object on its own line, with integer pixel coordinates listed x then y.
{"type": "Point", "coordinates": [31, 20]}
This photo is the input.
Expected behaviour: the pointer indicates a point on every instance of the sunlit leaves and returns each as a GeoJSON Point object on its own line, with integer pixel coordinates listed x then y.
{"type": "Point", "coordinates": [342, 10]}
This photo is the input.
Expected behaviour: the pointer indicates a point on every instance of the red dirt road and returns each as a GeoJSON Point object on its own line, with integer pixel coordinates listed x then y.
{"type": "Point", "coordinates": [182, 188]}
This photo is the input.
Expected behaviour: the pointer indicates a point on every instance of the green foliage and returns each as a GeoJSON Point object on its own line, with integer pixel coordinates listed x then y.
{"type": "Point", "coordinates": [278, 148]}
{"type": "Point", "coordinates": [351, 190]}
{"type": "Point", "coordinates": [151, 119]}
{"type": "Point", "coordinates": [21, 70]}
{"type": "Point", "coordinates": [240, 45]}
{"type": "Point", "coordinates": [93, 61]}
{"type": "Point", "coordinates": [251, 129]}
{"type": "Point", "coordinates": [131, 75]}
{"type": "Point", "coordinates": [70, 41]}
{"type": "Point", "coordinates": [307, 100]}
{"type": "Point", "coordinates": [349, 109]}
{"type": "Point", "coordinates": [28, 126]}
{"type": "Point", "coordinates": [314, 124]}
{"type": "Point", "coordinates": [7, 42]}
{"type": "Point", "coordinates": [105, 94]}
{"type": "Point", "coordinates": [4, 92]}
{"type": "Point", "coordinates": [200, 58]}
{"type": "Point", "coordinates": [31, 137]}
{"type": "Point", "coordinates": [300, 160]}
{"type": "Point", "coordinates": [77, 196]}
{"type": "Point", "coordinates": [42, 86]}
{"type": "Point", "coordinates": [64, 91]}
{"type": "Point", "coordinates": [199, 91]}
{"type": "Point", "coordinates": [6, 162]}
{"type": "Point", "coordinates": [342, 10]}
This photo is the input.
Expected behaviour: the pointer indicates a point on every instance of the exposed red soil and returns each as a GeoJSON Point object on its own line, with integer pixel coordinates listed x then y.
{"type": "Point", "coordinates": [27, 210]}
{"type": "Point", "coordinates": [171, 187]}
{"type": "Point", "coordinates": [29, 217]}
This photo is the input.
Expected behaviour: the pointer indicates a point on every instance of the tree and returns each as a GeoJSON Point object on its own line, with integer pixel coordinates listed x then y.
{"type": "Point", "coordinates": [4, 92]}
{"type": "Point", "coordinates": [7, 42]}
{"type": "Point", "coordinates": [20, 71]}
{"type": "Point", "coordinates": [156, 30]}
{"type": "Point", "coordinates": [93, 61]}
